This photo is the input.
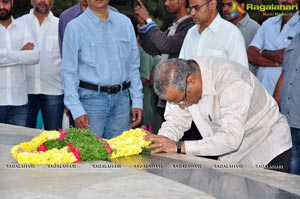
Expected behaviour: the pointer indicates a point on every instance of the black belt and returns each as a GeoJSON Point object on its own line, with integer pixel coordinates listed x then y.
{"type": "Point", "coordinates": [108, 89]}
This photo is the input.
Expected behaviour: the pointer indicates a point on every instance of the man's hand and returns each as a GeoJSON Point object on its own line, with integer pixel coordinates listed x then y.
{"type": "Point", "coordinates": [144, 81]}
{"type": "Point", "coordinates": [141, 12]}
{"type": "Point", "coordinates": [274, 55]}
{"type": "Point", "coordinates": [82, 122]}
{"type": "Point", "coordinates": [161, 143]}
{"type": "Point", "coordinates": [28, 46]}
{"type": "Point", "coordinates": [137, 115]}
{"type": "Point", "coordinates": [264, 58]}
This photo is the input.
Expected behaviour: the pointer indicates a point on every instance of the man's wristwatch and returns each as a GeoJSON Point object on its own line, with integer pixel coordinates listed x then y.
{"type": "Point", "coordinates": [178, 144]}
{"type": "Point", "coordinates": [148, 20]}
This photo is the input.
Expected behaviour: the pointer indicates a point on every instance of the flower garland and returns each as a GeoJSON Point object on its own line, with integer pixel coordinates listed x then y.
{"type": "Point", "coordinates": [128, 143]}
{"type": "Point", "coordinates": [77, 145]}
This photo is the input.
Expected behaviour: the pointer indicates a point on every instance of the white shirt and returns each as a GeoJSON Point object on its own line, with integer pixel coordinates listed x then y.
{"type": "Point", "coordinates": [44, 77]}
{"type": "Point", "coordinates": [220, 39]}
{"type": "Point", "coordinates": [13, 89]}
{"type": "Point", "coordinates": [238, 120]}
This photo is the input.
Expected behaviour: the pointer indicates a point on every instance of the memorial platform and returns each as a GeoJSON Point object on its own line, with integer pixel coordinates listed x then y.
{"type": "Point", "coordinates": [136, 177]}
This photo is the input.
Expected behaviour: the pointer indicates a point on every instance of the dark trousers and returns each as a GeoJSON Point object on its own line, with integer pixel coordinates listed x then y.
{"type": "Point", "coordinates": [15, 115]}
{"type": "Point", "coordinates": [281, 163]}
{"type": "Point", "coordinates": [71, 119]}
{"type": "Point", "coordinates": [192, 134]}
{"type": "Point", "coordinates": [295, 160]}
{"type": "Point", "coordinates": [52, 107]}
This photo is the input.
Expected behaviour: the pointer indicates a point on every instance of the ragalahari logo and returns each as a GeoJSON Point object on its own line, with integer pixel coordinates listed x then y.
{"type": "Point", "coordinates": [236, 10]}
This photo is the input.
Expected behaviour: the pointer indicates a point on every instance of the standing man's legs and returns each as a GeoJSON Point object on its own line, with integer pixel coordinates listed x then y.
{"type": "Point", "coordinates": [109, 114]}
{"type": "Point", "coordinates": [118, 119]}
{"type": "Point", "coordinates": [96, 106]}
{"type": "Point", "coordinates": [3, 114]}
{"type": "Point", "coordinates": [52, 107]}
{"type": "Point", "coordinates": [33, 110]}
{"type": "Point", "coordinates": [15, 115]}
{"type": "Point", "coordinates": [295, 160]}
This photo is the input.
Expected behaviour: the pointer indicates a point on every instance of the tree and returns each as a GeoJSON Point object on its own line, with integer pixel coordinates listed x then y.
{"type": "Point", "coordinates": [156, 9]}
{"type": "Point", "coordinates": [22, 7]}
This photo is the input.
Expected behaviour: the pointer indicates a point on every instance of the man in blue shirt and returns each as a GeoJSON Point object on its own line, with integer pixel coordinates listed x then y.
{"type": "Point", "coordinates": [267, 47]}
{"type": "Point", "coordinates": [100, 71]}
{"type": "Point", "coordinates": [64, 18]}
{"type": "Point", "coordinates": [287, 95]}
{"type": "Point", "coordinates": [69, 14]}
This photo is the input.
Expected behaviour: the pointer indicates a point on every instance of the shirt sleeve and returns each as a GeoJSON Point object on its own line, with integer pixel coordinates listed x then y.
{"type": "Point", "coordinates": [237, 50]}
{"type": "Point", "coordinates": [228, 130]}
{"type": "Point", "coordinates": [61, 30]}
{"type": "Point", "coordinates": [177, 122]}
{"type": "Point", "coordinates": [70, 76]}
{"type": "Point", "coordinates": [156, 60]}
{"type": "Point", "coordinates": [136, 86]}
{"type": "Point", "coordinates": [157, 41]}
{"type": "Point", "coordinates": [9, 57]}
{"type": "Point", "coordinates": [258, 39]}
{"type": "Point", "coordinates": [145, 68]}
{"type": "Point", "coordinates": [145, 39]}
{"type": "Point", "coordinates": [184, 49]}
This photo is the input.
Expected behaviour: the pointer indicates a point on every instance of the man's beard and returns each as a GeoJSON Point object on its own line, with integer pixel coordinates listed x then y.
{"type": "Point", "coordinates": [44, 10]}
{"type": "Point", "coordinates": [6, 15]}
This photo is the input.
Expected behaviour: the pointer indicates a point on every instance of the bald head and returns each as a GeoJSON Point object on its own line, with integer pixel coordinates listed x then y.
{"type": "Point", "coordinates": [172, 73]}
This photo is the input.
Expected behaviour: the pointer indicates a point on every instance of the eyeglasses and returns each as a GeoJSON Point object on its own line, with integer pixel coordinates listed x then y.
{"type": "Point", "coordinates": [198, 7]}
{"type": "Point", "coordinates": [183, 102]}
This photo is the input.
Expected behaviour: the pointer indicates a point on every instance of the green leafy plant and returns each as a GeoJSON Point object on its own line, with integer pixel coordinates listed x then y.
{"type": "Point", "coordinates": [90, 146]}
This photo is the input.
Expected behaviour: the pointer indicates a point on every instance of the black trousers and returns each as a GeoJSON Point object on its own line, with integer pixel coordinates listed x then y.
{"type": "Point", "coordinates": [192, 134]}
{"type": "Point", "coordinates": [281, 163]}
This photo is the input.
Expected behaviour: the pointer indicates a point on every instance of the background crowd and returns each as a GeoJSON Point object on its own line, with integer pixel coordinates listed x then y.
{"type": "Point", "coordinates": [96, 64]}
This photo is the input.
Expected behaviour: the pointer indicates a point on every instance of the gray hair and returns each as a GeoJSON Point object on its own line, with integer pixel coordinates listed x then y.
{"type": "Point", "coordinates": [173, 73]}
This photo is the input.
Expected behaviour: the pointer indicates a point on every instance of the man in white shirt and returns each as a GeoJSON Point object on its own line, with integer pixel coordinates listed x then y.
{"type": "Point", "coordinates": [44, 78]}
{"type": "Point", "coordinates": [212, 35]}
{"type": "Point", "coordinates": [241, 19]}
{"type": "Point", "coordinates": [17, 49]}
{"type": "Point", "coordinates": [239, 121]}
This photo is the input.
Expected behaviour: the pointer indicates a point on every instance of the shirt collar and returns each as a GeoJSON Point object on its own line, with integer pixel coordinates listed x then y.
{"type": "Point", "coordinates": [13, 23]}
{"type": "Point", "coordinates": [277, 19]}
{"type": "Point", "coordinates": [215, 24]}
{"type": "Point", "coordinates": [207, 82]}
{"type": "Point", "coordinates": [94, 18]}
{"type": "Point", "coordinates": [50, 15]}
{"type": "Point", "coordinates": [292, 21]}
{"type": "Point", "coordinates": [181, 19]}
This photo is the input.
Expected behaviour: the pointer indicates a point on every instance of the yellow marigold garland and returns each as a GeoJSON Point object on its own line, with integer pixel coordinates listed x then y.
{"type": "Point", "coordinates": [26, 152]}
{"type": "Point", "coordinates": [131, 142]}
